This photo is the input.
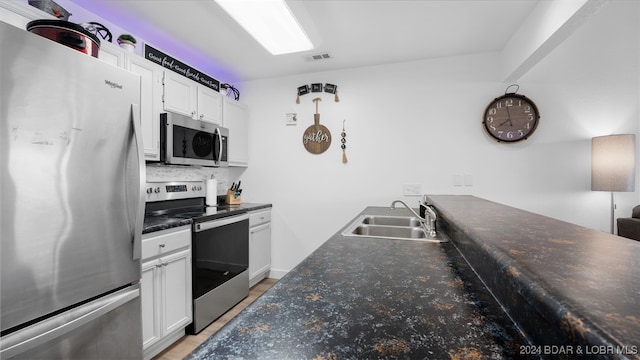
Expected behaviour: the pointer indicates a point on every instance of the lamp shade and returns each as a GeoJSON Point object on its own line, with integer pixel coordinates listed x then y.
{"type": "Point", "coordinates": [613, 160]}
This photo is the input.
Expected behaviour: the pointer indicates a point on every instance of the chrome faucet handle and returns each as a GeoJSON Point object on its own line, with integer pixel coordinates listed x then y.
{"type": "Point", "coordinates": [431, 229]}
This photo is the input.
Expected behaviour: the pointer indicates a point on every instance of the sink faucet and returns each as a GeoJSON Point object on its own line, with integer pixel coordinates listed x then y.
{"type": "Point", "coordinates": [428, 210]}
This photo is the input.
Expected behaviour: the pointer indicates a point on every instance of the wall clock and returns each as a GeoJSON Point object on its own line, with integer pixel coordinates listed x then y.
{"type": "Point", "coordinates": [511, 118]}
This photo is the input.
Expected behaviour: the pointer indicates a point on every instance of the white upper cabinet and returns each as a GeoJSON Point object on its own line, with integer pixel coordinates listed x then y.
{"type": "Point", "coordinates": [209, 105]}
{"type": "Point", "coordinates": [111, 54]}
{"type": "Point", "coordinates": [186, 97]}
{"type": "Point", "coordinates": [235, 117]}
{"type": "Point", "coordinates": [150, 93]}
{"type": "Point", "coordinates": [180, 94]}
{"type": "Point", "coordinates": [19, 13]}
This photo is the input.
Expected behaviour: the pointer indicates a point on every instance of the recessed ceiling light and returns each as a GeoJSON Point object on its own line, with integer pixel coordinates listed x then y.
{"type": "Point", "coordinates": [270, 22]}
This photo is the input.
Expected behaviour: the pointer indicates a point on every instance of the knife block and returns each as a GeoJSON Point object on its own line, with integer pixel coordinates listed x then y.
{"type": "Point", "coordinates": [232, 199]}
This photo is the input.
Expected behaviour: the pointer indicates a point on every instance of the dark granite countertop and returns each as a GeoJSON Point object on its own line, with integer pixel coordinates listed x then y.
{"type": "Point", "coordinates": [366, 298]}
{"type": "Point", "coordinates": [162, 222]}
{"type": "Point", "coordinates": [565, 285]}
{"type": "Point", "coordinates": [154, 222]}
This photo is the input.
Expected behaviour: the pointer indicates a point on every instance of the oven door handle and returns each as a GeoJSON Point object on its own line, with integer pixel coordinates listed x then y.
{"type": "Point", "coordinates": [208, 225]}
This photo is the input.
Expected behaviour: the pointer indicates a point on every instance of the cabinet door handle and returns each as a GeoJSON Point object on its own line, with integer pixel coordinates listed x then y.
{"type": "Point", "coordinates": [201, 116]}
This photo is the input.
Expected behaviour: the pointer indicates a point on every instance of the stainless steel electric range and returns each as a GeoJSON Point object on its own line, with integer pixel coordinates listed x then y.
{"type": "Point", "coordinates": [220, 246]}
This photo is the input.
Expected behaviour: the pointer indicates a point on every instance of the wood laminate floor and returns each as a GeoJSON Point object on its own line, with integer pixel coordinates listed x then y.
{"type": "Point", "coordinates": [184, 346]}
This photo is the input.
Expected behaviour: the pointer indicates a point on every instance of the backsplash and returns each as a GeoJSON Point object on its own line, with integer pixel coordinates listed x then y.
{"type": "Point", "coordinates": [162, 172]}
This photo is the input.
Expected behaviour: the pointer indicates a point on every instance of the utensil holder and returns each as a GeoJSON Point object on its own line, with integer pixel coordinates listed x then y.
{"type": "Point", "coordinates": [232, 198]}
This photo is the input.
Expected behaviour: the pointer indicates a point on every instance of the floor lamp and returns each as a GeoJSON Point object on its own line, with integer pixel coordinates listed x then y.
{"type": "Point", "coordinates": [613, 165]}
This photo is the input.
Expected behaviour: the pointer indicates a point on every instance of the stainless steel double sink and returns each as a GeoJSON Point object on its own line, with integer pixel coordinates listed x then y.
{"type": "Point", "coordinates": [391, 227]}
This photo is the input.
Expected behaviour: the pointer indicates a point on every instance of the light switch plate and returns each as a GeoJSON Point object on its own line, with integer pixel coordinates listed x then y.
{"type": "Point", "coordinates": [468, 180]}
{"type": "Point", "coordinates": [412, 190]}
{"type": "Point", "coordinates": [457, 180]}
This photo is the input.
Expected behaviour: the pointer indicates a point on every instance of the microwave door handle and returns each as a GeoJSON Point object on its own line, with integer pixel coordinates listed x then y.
{"type": "Point", "coordinates": [219, 145]}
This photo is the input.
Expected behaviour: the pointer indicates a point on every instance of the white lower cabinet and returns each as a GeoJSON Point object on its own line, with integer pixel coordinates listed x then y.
{"type": "Point", "coordinates": [165, 288]}
{"type": "Point", "coordinates": [259, 245]}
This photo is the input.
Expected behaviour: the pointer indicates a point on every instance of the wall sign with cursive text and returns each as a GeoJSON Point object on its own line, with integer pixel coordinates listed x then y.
{"type": "Point", "coordinates": [317, 138]}
{"type": "Point", "coordinates": [177, 66]}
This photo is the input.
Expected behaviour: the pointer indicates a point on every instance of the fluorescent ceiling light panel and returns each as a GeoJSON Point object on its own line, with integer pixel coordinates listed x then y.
{"type": "Point", "coordinates": [270, 22]}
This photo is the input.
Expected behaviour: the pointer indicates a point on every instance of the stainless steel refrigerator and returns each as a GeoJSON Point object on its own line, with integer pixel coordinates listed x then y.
{"type": "Point", "coordinates": [71, 203]}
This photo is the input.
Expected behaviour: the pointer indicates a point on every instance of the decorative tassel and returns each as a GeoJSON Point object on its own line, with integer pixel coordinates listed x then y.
{"type": "Point", "coordinates": [337, 99]}
{"type": "Point", "coordinates": [298, 99]}
{"type": "Point", "coordinates": [344, 144]}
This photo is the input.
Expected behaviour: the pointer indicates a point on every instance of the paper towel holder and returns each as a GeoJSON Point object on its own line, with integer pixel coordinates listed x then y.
{"type": "Point", "coordinates": [211, 198]}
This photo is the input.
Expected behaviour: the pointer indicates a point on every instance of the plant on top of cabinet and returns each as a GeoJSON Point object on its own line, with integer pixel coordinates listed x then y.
{"type": "Point", "coordinates": [127, 42]}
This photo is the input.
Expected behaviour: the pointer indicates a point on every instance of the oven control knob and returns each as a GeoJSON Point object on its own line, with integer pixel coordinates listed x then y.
{"type": "Point", "coordinates": [157, 189]}
{"type": "Point", "coordinates": [149, 190]}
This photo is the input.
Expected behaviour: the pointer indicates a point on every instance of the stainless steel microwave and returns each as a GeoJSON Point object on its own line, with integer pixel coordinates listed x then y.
{"type": "Point", "coordinates": [185, 141]}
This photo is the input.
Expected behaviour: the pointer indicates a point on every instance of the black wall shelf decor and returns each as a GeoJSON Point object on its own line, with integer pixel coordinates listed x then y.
{"type": "Point", "coordinates": [317, 87]}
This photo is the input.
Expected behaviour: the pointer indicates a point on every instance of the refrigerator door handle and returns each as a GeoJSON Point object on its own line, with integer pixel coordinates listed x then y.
{"type": "Point", "coordinates": [50, 329]}
{"type": "Point", "coordinates": [139, 220]}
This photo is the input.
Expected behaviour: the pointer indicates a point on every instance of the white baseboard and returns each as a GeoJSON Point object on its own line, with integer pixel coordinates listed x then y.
{"type": "Point", "coordinates": [277, 274]}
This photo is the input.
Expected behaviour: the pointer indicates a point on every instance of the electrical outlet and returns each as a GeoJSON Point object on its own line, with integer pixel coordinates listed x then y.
{"type": "Point", "coordinates": [412, 190]}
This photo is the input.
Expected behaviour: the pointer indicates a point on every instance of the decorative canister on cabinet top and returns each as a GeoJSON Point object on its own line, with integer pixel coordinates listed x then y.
{"type": "Point", "coordinates": [68, 34]}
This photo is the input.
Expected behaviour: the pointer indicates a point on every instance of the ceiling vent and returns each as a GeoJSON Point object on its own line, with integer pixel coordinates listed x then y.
{"type": "Point", "coordinates": [318, 57]}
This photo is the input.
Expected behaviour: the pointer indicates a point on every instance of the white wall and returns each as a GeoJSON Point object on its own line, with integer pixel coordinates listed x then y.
{"type": "Point", "coordinates": [420, 122]}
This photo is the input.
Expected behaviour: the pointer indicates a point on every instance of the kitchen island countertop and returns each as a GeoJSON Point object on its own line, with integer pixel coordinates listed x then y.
{"type": "Point", "coordinates": [566, 285]}
{"type": "Point", "coordinates": [366, 298]}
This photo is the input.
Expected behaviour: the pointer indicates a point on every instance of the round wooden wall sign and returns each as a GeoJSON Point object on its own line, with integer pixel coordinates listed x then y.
{"type": "Point", "coordinates": [317, 138]}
